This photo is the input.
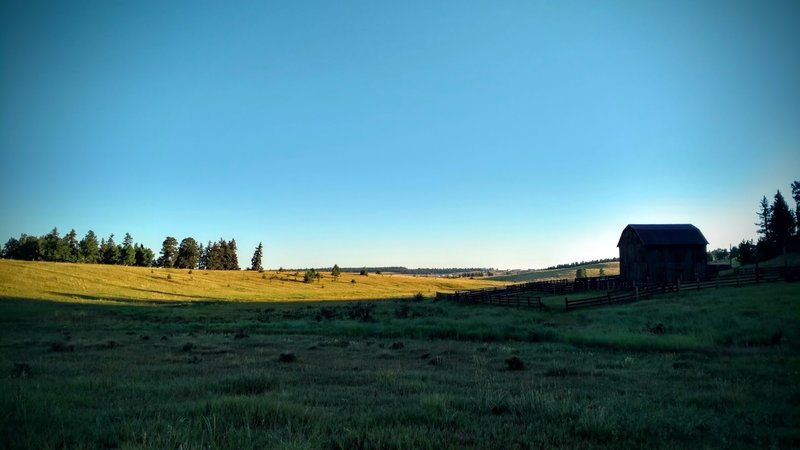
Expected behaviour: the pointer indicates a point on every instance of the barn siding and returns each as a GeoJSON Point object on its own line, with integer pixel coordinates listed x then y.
{"type": "Point", "coordinates": [659, 263]}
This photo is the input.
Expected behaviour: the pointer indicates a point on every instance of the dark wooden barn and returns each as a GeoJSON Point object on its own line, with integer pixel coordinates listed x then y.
{"type": "Point", "coordinates": [662, 253]}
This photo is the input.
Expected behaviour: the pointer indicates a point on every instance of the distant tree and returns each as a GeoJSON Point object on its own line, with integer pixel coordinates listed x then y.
{"type": "Point", "coordinates": [109, 251]}
{"type": "Point", "coordinates": [127, 252]}
{"type": "Point", "coordinates": [29, 248]}
{"type": "Point", "coordinates": [169, 252]}
{"type": "Point", "coordinates": [188, 254]}
{"type": "Point", "coordinates": [734, 253]}
{"type": "Point", "coordinates": [747, 252]}
{"type": "Point", "coordinates": [336, 272]}
{"type": "Point", "coordinates": [89, 248]}
{"type": "Point", "coordinates": [719, 254]}
{"type": "Point", "coordinates": [309, 276]}
{"type": "Point", "coordinates": [143, 256]}
{"type": "Point", "coordinates": [781, 222]}
{"type": "Point", "coordinates": [580, 273]}
{"type": "Point", "coordinates": [70, 244]}
{"type": "Point", "coordinates": [11, 249]}
{"type": "Point", "coordinates": [764, 219]}
{"type": "Point", "coordinates": [215, 259]}
{"type": "Point", "coordinates": [202, 263]}
{"type": "Point", "coordinates": [255, 262]}
{"type": "Point", "coordinates": [231, 258]}
{"type": "Point", "coordinates": [796, 197]}
{"type": "Point", "coordinates": [602, 272]}
{"type": "Point", "coordinates": [364, 272]}
{"type": "Point", "coordinates": [48, 246]}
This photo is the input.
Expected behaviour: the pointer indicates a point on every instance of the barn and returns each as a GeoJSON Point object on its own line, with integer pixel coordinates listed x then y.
{"type": "Point", "coordinates": [662, 253]}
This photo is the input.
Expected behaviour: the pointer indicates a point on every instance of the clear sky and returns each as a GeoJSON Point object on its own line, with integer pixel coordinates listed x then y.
{"type": "Point", "coordinates": [417, 133]}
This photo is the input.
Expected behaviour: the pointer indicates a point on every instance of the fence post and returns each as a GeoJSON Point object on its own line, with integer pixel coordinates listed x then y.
{"type": "Point", "coordinates": [679, 285]}
{"type": "Point", "coordinates": [566, 304]}
{"type": "Point", "coordinates": [636, 292]}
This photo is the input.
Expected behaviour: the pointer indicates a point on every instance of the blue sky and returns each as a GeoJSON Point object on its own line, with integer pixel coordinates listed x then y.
{"type": "Point", "coordinates": [424, 134]}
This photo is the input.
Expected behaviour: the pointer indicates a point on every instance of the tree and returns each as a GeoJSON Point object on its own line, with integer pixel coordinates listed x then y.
{"type": "Point", "coordinates": [143, 256]}
{"type": "Point", "coordinates": [127, 253]}
{"type": "Point", "coordinates": [747, 252]}
{"type": "Point", "coordinates": [169, 251]}
{"type": "Point", "coordinates": [89, 249]}
{"type": "Point", "coordinates": [796, 197]}
{"type": "Point", "coordinates": [230, 257]}
{"type": "Point", "coordinates": [580, 273]}
{"type": "Point", "coordinates": [109, 252]}
{"type": "Point", "coordinates": [202, 263]}
{"type": "Point", "coordinates": [29, 248]}
{"type": "Point", "coordinates": [764, 218]}
{"type": "Point", "coordinates": [188, 254]}
{"type": "Point", "coordinates": [336, 272]}
{"type": "Point", "coordinates": [215, 257]}
{"type": "Point", "coordinates": [781, 222]}
{"type": "Point", "coordinates": [70, 244]}
{"type": "Point", "coordinates": [309, 276]}
{"type": "Point", "coordinates": [48, 245]}
{"type": "Point", "coordinates": [364, 272]}
{"type": "Point", "coordinates": [11, 249]}
{"type": "Point", "coordinates": [255, 262]}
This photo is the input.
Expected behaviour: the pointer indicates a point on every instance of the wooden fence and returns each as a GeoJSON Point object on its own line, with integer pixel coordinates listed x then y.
{"type": "Point", "coordinates": [617, 291]}
{"type": "Point", "coordinates": [738, 278]}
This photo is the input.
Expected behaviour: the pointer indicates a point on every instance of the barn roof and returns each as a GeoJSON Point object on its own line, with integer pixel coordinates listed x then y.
{"type": "Point", "coordinates": [667, 234]}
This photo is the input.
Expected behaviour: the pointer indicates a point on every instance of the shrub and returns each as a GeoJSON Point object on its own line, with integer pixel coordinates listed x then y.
{"type": "Point", "coordinates": [396, 345]}
{"type": "Point", "coordinates": [361, 311]}
{"type": "Point", "coordinates": [287, 357]}
{"type": "Point", "coordinates": [515, 363]}
{"type": "Point", "coordinates": [353, 281]}
{"type": "Point", "coordinates": [187, 347]}
{"type": "Point", "coordinates": [418, 297]}
{"type": "Point", "coordinates": [364, 272]}
{"type": "Point", "coordinates": [403, 311]}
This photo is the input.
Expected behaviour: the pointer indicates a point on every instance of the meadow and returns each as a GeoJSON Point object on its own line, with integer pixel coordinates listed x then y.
{"type": "Point", "coordinates": [592, 270]}
{"type": "Point", "coordinates": [107, 283]}
{"type": "Point", "coordinates": [699, 369]}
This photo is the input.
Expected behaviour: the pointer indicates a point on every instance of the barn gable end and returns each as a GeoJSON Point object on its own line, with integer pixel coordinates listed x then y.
{"type": "Point", "coordinates": [662, 253]}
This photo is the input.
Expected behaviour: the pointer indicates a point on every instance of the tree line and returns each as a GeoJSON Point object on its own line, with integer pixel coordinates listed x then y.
{"type": "Point", "coordinates": [187, 254]}
{"type": "Point", "coordinates": [778, 231]}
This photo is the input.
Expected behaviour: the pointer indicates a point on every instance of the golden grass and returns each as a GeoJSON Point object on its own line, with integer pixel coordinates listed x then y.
{"type": "Point", "coordinates": [94, 282]}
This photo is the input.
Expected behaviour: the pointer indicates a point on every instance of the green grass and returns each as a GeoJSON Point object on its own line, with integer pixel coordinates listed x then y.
{"type": "Point", "coordinates": [720, 372]}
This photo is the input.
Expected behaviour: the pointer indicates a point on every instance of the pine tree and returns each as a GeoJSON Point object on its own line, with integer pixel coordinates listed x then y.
{"type": "Point", "coordinates": [336, 272]}
{"type": "Point", "coordinates": [231, 258]}
{"type": "Point", "coordinates": [188, 254]}
{"type": "Point", "coordinates": [781, 222]}
{"type": "Point", "coordinates": [109, 251]}
{"type": "Point", "coordinates": [89, 249]}
{"type": "Point", "coordinates": [48, 245]}
{"type": "Point", "coordinates": [71, 246]}
{"type": "Point", "coordinates": [144, 256]}
{"type": "Point", "coordinates": [127, 254]}
{"type": "Point", "coordinates": [169, 251]}
{"type": "Point", "coordinates": [255, 262]}
{"type": "Point", "coordinates": [796, 197]}
{"type": "Point", "coordinates": [764, 217]}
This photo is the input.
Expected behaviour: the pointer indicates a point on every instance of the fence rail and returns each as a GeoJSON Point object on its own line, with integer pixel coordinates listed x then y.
{"type": "Point", "coordinates": [617, 290]}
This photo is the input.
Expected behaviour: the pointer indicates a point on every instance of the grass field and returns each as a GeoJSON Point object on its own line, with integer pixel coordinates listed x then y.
{"type": "Point", "coordinates": [707, 369]}
{"type": "Point", "coordinates": [592, 270]}
{"type": "Point", "coordinates": [94, 282]}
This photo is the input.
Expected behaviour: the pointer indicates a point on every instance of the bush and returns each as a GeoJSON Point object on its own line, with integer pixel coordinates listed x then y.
{"type": "Point", "coordinates": [287, 357]}
{"type": "Point", "coordinates": [361, 311]}
{"type": "Point", "coordinates": [418, 297]}
{"type": "Point", "coordinates": [515, 363]}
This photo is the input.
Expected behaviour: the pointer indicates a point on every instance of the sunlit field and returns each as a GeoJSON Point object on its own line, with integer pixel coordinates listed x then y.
{"type": "Point", "coordinates": [95, 282]}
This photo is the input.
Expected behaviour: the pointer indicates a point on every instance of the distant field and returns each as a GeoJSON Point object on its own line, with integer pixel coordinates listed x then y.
{"type": "Point", "coordinates": [592, 270]}
{"type": "Point", "coordinates": [93, 282]}
{"type": "Point", "coordinates": [700, 369]}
